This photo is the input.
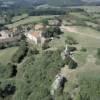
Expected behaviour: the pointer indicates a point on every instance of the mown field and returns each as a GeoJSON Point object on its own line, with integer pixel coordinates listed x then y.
{"type": "Point", "coordinates": [86, 74]}
{"type": "Point", "coordinates": [6, 54]}
{"type": "Point", "coordinates": [25, 19]}
{"type": "Point", "coordinates": [86, 66]}
{"type": "Point", "coordinates": [89, 8]}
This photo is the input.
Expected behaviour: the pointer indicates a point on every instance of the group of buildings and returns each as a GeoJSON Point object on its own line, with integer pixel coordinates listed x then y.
{"type": "Point", "coordinates": [32, 32]}
{"type": "Point", "coordinates": [35, 34]}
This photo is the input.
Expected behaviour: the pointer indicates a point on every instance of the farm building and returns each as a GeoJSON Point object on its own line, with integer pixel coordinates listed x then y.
{"type": "Point", "coordinates": [4, 34]}
{"type": "Point", "coordinates": [54, 22]}
{"type": "Point", "coordinates": [39, 26]}
{"type": "Point", "coordinates": [36, 34]}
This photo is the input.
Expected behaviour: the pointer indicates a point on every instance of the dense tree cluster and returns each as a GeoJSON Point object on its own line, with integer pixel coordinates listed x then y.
{"type": "Point", "coordinates": [20, 53]}
{"type": "Point", "coordinates": [52, 32]}
{"type": "Point", "coordinates": [47, 12]}
{"type": "Point", "coordinates": [37, 75]}
{"type": "Point", "coordinates": [7, 89]}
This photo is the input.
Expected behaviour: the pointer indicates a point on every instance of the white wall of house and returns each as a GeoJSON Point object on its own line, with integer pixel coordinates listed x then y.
{"type": "Point", "coordinates": [36, 40]}
{"type": "Point", "coordinates": [31, 37]}
{"type": "Point", "coordinates": [4, 35]}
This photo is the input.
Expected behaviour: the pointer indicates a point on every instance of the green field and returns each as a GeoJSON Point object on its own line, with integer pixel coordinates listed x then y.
{"type": "Point", "coordinates": [78, 15]}
{"type": "Point", "coordinates": [37, 71]}
{"type": "Point", "coordinates": [86, 61]}
{"type": "Point", "coordinates": [6, 54]}
{"type": "Point", "coordinates": [30, 19]}
{"type": "Point", "coordinates": [89, 8]}
{"type": "Point", "coordinates": [18, 18]}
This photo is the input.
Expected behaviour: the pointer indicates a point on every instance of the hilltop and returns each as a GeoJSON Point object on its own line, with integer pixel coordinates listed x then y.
{"type": "Point", "coordinates": [49, 2]}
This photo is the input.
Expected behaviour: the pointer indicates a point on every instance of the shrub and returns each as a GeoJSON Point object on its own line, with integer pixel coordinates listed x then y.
{"type": "Point", "coordinates": [20, 53]}
{"type": "Point", "coordinates": [37, 76]}
{"type": "Point", "coordinates": [70, 40]}
{"type": "Point", "coordinates": [5, 71]}
{"type": "Point", "coordinates": [83, 49]}
{"type": "Point", "coordinates": [52, 32]}
{"type": "Point", "coordinates": [72, 64]}
{"type": "Point", "coordinates": [7, 88]}
{"type": "Point", "coordinates": [45, 21]}
{"type": "Point", "coordinates": [32, 51]}
{"type": "Point", "coordinates": [98, 53]}
{"type": "Point", "coordinates": [45, 46]}
{"type": "Point", "coordinates": [71, 49]}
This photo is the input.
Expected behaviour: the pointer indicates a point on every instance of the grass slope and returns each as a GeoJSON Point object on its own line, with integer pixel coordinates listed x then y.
{"type": "Point", "coordinates": [64, 2]}
{"type": "Point", "coordinates": [6, 54]}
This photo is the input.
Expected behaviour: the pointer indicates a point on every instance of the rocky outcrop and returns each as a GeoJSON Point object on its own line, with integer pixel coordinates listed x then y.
{"type": "Point", "coordinates": [58, 83]}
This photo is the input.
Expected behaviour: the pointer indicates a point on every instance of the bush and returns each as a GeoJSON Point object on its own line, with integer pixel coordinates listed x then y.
{"type": "Point", "coordinates": [6, 71]}
{"type": "Point", "coordinates": [45, 46]}
{"type": "Point", "coordinates": [52, 32]}
{"type": "Point", "coordinates": [70, 62]}
{"type": "Point", "coordinates": [98, 53]}
{"type": "Point", "coordinates": [70, 40]}
{"type": "Point", "coordinates": [45, 21]}
{"type": "Point", "coordinates": [83, 49]}
{"type": "Point", "coordinates": [71, 49]}
{"type": "Point", "coordinates": [7, 88]}
{"type": "Point", "coordinates": [20, 53]}
{"type": "Point", "coordinates": [32, 51]}
{"type": "Point", "coordinates": [37, 76]}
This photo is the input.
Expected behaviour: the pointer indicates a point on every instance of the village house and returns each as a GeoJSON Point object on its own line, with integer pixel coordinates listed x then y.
{"type": "Point", "coordinates": [36, 34]}
{"type": "Point", "coordinates": [54, 22]}
{"type": "Point", "coordinates": [5, 34]}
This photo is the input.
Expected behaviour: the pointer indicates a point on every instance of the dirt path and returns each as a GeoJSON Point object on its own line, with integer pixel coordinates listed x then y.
{"type": "Point", "coordinates": [75, 31]}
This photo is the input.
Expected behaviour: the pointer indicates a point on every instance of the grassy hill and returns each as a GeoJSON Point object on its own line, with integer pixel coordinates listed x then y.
{"type": "Point", "coordinates": [64, 2]}
{"type": "Point", "coordinates": [49, 2]}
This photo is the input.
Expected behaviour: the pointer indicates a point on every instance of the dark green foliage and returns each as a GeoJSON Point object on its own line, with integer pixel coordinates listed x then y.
{"type": "Point", "coordinates": [20, 53]}
{"type": "Point", "coordinates": [32, 51]}
{"type": "Point", "coordinates": [98, 56]}
{"type": "Point", "coordinates": [72, 64]}
{"type": "Point", "coordinates": [6, 71]}
{"type": "Point", "coordinates": [71, 49]}
{"type": "Point", "coordinates": [4, 45]}
{"type": "Point", "coordinates": [7, 88]}
{"type": "Point", "coordinates": [70, 40]}
{"type": "Point", "coordinates": [45, 21]}
{"type": "Point", "coordinates": [37, 76]}
{"type": "Point", "coordinates": [45, 46]}
{"type": "Point", "coordinates": [98, 53]}
{"type": "Point", "coordinates": [98, 28]}
{"type": "Point", "coordinates": [14, 70]}
{"type": "Point", "coordinates": [52, 11]}
{"type": "Point", "coordinates": [83, 49]}
{"type": "Point", "coordinates": [64, 2]}
{"type": "Point", "coordinates": [52, 32]}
